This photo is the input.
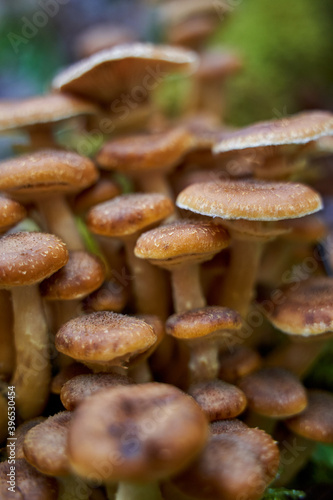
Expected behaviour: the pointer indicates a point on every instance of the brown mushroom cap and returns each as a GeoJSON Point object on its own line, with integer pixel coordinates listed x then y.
{"type": "Point", "coordinates": [21, 432]}
{"type": "Point", "coordinates": [104, 337]}
{"type": "Point", "coordinates": [250, 200]}
{"type": "Point", "coordinates": [297, 129]}
{"type": "Point", "coordinates": [106, 75]}
{"type": "Point", "coordinates": [11, 213]}
{"type": "Point", "coordinates": [67, 373]}
{"type": "Point", "coordinates": [237, 363]}
{"type": "Point", "coordinates": [47, 171]}
{"type": "Point", "coordinates": [201, 322]}
{"type": "Point", "coordinates": [305, 308]}
{"type": "Point", "coordinates": [274, 392]}
{"type": "Point", "coordinates": [109, 297]}
{"type": "Point", "coordinates": [128, 214]}
{"type": "Point", "coordinates": [154, 429]}
{"type": "Point", "coordinates": [49, 108]}
{"type": "Point", "coordinates": [181, 241]}
{"type": "Point", "coordinates": [228, 426]}
{"type": "Point", "coordinates": [45, 445]}
{"type": "Point", "coordinates": [82, 275]}
{"type": "Point", "coordinates": [28, 258]}
{"type": "Point", "coordinates": [309, 229]}
{"type": "Point", "coordinates": [218, 399]}
{"type": "Point", "coordinates": [101, 36]}
{"type": "Point", "coordinates": [316, 421]}
{"type": "Point", "coordinates": [30, 483]}
{"type": "Point", "coordinates": [75, 390]}
{"type": "Point", "coordinates": [191, 32]}
{"type": "Point", "coordinates": [103, 190]}
{"type": "Point", "coordinates": [143, 153]}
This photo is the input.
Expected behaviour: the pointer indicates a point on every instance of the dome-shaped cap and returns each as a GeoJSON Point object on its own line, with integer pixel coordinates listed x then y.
{"type": "Point", "coordinates": [104, 338]}
{"type": "Point", "coordinates": [28, 258]}
{"type": "Point", "coordinates": [250, 200]}
{"type": "Point", "coordinates": [103, 190]}
{"type": "Point", "coordinates": [47, 171]}
{"type": "Point", "coordinates": [82, 275]}
{"type": "Point", "coordinates": [228, 426]}
{"type": "Point", "coordinates": [109, 297]}
{"type": "Point", "coordinates": [66, 373]}
{"type": "Point", "coordinates": [11, 213]}
{"type": "Point", "coordinates": [128, 214]}
{"type": "Point", "coordinates": [237, 363]}
{"type": "Point", "coordinates": [155, 429]}
{"type": "Point", "coordinates": [20, 433]}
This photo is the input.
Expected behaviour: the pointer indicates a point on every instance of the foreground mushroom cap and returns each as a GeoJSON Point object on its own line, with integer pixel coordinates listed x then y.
{"type": "Point", "coordinates": [28, 258]}
{"type": "Point", "coordinates": [11, 213]}
{"type": "Point", "coordinates": [250, 200]}
{"type": "Point", "coordinates": [154, 429]}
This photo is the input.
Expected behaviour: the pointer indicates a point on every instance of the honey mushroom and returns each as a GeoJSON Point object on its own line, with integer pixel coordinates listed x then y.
{"type": "Point", "coordinates": [111, 296]}
{"type": "Point", "coordinates": [66, 373]}
{"type": "Point", "coordinates": [250, 210]}
{"type": "Point", "coordinates": [25, 260]}
{"type": "Point", "coordinates": [126, 217]}
{"type": "Point", "coordinates": [142, 434]}
{"type": "Point", "coordinates": [45, 177]}
{"type": "Point", "coordinates": [237, 363]}
{"type": "Point", "coordinates": [20, 433]}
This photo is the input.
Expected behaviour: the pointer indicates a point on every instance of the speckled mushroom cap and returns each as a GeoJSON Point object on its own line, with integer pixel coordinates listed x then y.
{"type": "Point", "coordinates": [197, 323]}
{"type": "Point", "coordinates": [82, 275]}
{"type": "Point", "coordinates": [218, 399]}
{"type": "Point", "coordinates": [216, 65]}
{"type": "Point", "coordinates": [316, 421]}
{"type": "Point", "coordinates": [305, 308]}
{"type": "Point", "coordinates": [20, 433]}
{"type": "Point", "coordinates": [30, 483]}
{"type": "Point", "coordinates": [49, 108]}
{"type": "Point", "coordinates": [155, 429]}
{"type": "Point", "coordinates": [236, 464]}
{"type": "Point", "coordinates": [103, 190]}
{"type": "Point", "coordinates": [185, 240]}
{"type": "Point", "coordinates": [238, 362]}
{"type": "Point", "coordinates": [67, 373]}
{"type": "Point", "coordinates": [104, 339]}
{"type": "Point", "coordinates": [45, 445]}
{"type": "Point", "coordinates": [11, 213]}
{"type": "Point", "coordinates": [251, 200]}
{"type": "Point", "coordinates": [111, 296]}
{"type": "Point", "coordinates": [143, 153]}
{"type": "Point", "coordinates": [128, 214]}
{"type": "Point", "coordinates": [105, 75]}
{"type": "Point", "coordinates": [47, 171]}
{"type": "Point", "coordinates": [274, 392]}
{"type": "Point", "coordinates": [228, 426]}
{"type": "Point", "coordinates": [297, 129]}
{"type": "Point", "coordinates": [28, 258]}
{"type": "Point", "coordinates": [75, 390]}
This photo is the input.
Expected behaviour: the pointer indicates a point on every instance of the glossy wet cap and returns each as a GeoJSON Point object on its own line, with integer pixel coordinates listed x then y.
{"type": "Point", "coordinates": [47, 171]}
{"type": "Point", "coordinates": [28, 258]}
{"type": "Point", "coordinates": [250, 200]}
{"type": "Point", "coordinates": [297, 129]}
{"type": "Point", "coordinates": [104, 338]}
{"type": "Point", "coordinates": [30, 483]}
{"type": "Point", "coordinates": [11, 213]}
{"type": "Point", "coordinates": [237, 363]}
{"type": "Point", "coordinates": [82, 275]}
{"type": "Point", "coordinates": [45, 445]}
{"type": "Point", "coordinates": [218, 400]}
{"type": "Point", "coordinates": [155, 429]}
{"type": "Point", "coordinates": [144, 153]}
{"type": "Point", "coordinates": [316, 421]}
{"type": "Point", "coordinates": [274, 392]}
{"type": "Point", "coordinates": [75, 390]}
{"type": "Point", "coordinates": [305, 308]}
{"type": "Point", "coordinates": [182, 241]}
{"type": "Point", "coordinates": [128, 214]}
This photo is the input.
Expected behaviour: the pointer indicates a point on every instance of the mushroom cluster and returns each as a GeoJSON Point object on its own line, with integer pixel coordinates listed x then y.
{"type": "Point", "coordinates": [144, 280]}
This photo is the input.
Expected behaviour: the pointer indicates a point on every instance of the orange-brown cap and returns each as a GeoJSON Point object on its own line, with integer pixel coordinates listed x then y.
{"type": "Point", "coordinates": [29, 482]}
{"type": "Point", "coordinates": [11, 213]}
{"type": "Point", "coordinates": [67, 373]}
{"type": "Point", "coordinates": [218, 399]}
{"type": "Point", "coordinates": [191, 32]}
{"type": "Point", "coordinates": [274, 392]}
{"type": "Point", "coordinates": [45, 445]}
{"type": "Point", "coordinates": [228, 426]}
{"type": "Point", "coordinates": [75, 390]}
{"type": "Point", "coordinates": [309, 229]}
{"type": "Point", "coordinates": [154, 429]}
{"type": "Point", "coordinates": [143, 153]}
{"type": "Point", "coordinates": [237, 363]}
{"type": "Point", "coordinates": [21, 432]}
{"type": "Point", "coordinates": [185, 240]}
{"type": "Point", "coordinates": [316, 421]}
{"type": "Point", "coordinates": [47, 171]}
{"type": "Point", "coordinates": [305, 308]}
{"type": "Point", "coordinates": [82, 275]}
{"type": "Point", "coordinates": [109, 297]}
{"type": "Point", "coordinates": [101, 36]}
{"type": "Point", "coordinates": [108, 74]}
{"type": "Point", "coordinates": [103, 190]}
{"type": "Point", "coordinates": [250, 200]}
{"type": "Point", "coordinates": [297, 129]}
{"type": "Point", "coordinates": [104, 339]}
{"type": "Point", "coordinates": [28, 258]}
{"type": "Point", "coordinates": [128, 214]}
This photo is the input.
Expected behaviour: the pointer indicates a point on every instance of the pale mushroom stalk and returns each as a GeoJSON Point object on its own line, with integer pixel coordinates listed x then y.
{"type": "Point", "coordinates": [186, 286]}
{"type": "Point", "coordinates": [138, 491]}
{"type": "Point", "coordinates": [204, 362]}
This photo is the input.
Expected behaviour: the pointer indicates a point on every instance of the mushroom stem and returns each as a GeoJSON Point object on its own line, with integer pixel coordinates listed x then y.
{"type": "Point", "coordinates": [186, 286]}
{"type": "Point", "coordinates": [141, 373]}
{"type": "Point", "coordinates": [204, 363]}
{"type": "Point", "coordinates": [138, 491]}
{"type": "Point", "coordinates": [238, 285]}
{"type": "Point", "coordinates": [7, 349]}
{"type": "Point", "coordinates": [72, 487]}
{"type": "Point", "coordinates": [41, 137]}
{"type": "Point", "coordinates": [60, 221]}
{"type": "Point", "coordinates": [33, 369]}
